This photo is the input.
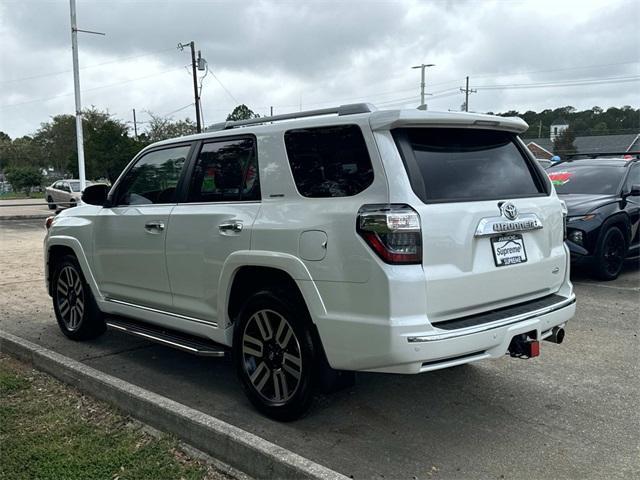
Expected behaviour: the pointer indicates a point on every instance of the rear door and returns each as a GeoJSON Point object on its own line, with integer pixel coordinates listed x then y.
{"type": "Point", "coordinates": [492, 233]}
{"type": "Point", "coordinates": [211, 222]}
{"type": "Point", "coordinates": [129, 237]}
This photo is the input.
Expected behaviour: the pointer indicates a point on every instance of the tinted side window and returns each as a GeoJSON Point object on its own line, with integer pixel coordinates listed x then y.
{"type": "Point", "coordinates": [226, 171]}
{"type": "Point", "coordinates": [329, 161]}
{"type": "Point", "coordinates": [462, 164]}
{"type": "Point", "coordinates": [154, 178]}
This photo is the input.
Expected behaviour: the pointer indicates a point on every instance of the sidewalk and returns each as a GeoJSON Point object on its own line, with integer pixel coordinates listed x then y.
{"type": "Point", "coordinates": [24, 208]}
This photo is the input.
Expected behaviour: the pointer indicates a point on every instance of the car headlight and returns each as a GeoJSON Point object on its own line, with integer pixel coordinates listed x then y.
{"type": "Point", "coordinates": [576, 236]}
{"type": "Point", "coordinates": [581, 218]}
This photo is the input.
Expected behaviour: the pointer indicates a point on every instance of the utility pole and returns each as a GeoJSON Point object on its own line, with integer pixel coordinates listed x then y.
{"type": "Point", "coordinates": [76, 87]}
{"type": "Point", "coordinates": [195, 66]}
{"type": "Point", "coordinates": [135, 124]}
{"type": "Point", "coordinates": [540, 129]}
{"type": "Point", "coordinates": [271, 115]}
{"type": "Point", "coordinates": [466, 92]}
{"type": "Point", "coordinates": [422, 67]}
{"type": "Point", "coordinates": [195, 86]}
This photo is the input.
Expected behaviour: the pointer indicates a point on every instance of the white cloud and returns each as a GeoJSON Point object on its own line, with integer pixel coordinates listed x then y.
{"type": "Point", "coordinates": [282, 53]}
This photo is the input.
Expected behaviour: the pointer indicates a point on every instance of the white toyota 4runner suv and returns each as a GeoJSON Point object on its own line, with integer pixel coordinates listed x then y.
{"type": "Point", "coordinates": [342, 240]}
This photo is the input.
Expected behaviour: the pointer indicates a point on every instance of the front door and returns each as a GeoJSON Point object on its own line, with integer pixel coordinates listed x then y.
{"type": "Point", "coordinates": [129, 238]}
{"type": "Point", "coordinates": [215, 220]}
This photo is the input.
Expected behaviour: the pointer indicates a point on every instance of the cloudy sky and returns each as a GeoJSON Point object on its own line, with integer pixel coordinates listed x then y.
{"type": "Point", "coordinates": [520, 55]}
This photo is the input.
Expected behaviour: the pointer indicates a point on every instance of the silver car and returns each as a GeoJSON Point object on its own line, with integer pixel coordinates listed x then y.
{"type": "Point", "coordinates": [64, 193]}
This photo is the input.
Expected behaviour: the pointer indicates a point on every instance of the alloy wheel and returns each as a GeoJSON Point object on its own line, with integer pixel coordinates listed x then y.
{"type": "Point", "coordinates": [70, 297]}
{"type": "Point", "coordinates": [271, 356]}
{"type": "Point", "coordinates": [614, 253]}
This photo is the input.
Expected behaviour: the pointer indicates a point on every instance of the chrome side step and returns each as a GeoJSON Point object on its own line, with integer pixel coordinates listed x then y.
{"type": "Point", "coordinates": [181, 341]}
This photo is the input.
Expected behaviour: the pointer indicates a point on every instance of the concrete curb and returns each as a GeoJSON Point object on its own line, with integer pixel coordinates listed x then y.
{"type": "Point", "coordinates": [240, 449]}
{"type": "Point", "coordinates": [26, 217]}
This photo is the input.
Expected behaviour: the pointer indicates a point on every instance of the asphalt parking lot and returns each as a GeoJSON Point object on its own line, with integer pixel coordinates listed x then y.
{"type": "Point", "coordinates": [571, 413]}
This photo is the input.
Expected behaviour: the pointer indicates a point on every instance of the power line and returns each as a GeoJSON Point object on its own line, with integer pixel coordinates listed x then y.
{"type": "Point", "coordinates": [117, 60]}
{"type": "Point", "coordinates": [564, 83]}
{"type": "Point", "coordinates": [178, 110]}
{"type": "Point", "coordinates": [46, 99]}
{"type": "Point", "coordinates": [530, 72]}
{"type": "Point", "coordinates": [225, 88]}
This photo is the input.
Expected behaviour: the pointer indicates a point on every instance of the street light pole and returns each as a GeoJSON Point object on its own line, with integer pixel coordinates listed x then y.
{"type": "Point", "coordinates": [422, 67]}
{"type": "Point", "coordinates": [76, 86]}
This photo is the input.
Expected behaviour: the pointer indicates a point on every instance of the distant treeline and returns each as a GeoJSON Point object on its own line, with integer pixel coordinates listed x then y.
{"type": "Point", "coordinates": [595, 121]}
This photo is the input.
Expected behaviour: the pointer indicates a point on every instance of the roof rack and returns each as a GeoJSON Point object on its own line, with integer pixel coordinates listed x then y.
{"type": "Point", "coordinates": [350, 109]}
{"type": "Point", "coordinates": [576, 156]}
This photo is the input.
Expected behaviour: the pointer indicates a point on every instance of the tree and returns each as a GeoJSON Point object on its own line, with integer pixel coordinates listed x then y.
{"type": "Point", "coordinates": [24, 178]}
{"type": "Point", "coordinates": [107, 146]}
{"type": "Point", "coordinates": [58, 140]}
{"type": "Point", "coordinates": [241, 112]}
{"type": "Point", "coordinates": [600, 129]}
{"type": "Point", "coordinates": [162, 128]}
{"type": "Point", "coordinates": [585, 122]}
{"type": "Point", "coordinates": [563, 144]}
{"type": "Point", "coordinates": [21, 152]}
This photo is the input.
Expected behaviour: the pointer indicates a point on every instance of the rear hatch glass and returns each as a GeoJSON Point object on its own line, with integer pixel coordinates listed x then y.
{"type": "Point", "coordinates": [462, 164]}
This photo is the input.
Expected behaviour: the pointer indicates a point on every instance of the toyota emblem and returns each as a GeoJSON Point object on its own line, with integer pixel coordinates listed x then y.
{"type": "Point", "coordinates": [509, 210]}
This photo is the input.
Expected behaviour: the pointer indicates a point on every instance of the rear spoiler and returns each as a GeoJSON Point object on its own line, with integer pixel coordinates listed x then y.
{"type": "Point", "coordinates": [388, 119]}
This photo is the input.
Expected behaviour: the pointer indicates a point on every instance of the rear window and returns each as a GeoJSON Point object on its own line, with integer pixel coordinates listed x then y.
{"type": "Point", "coordinates": [460, 164]}
{"type": "Point", "coordinates": [226, 170]}
{"type": "Point", "coordinates": [568, 179]}
{"type": "Point", "coordinates": [329, 161]}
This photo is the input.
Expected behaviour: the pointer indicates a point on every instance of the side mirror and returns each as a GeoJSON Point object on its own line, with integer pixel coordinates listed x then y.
{"type": "Point", "coordinates": [635, 190]}
{"type": "Point", "coordinates": [95, 194]}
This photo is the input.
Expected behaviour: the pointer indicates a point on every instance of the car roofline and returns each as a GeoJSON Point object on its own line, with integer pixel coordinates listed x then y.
{"type": "Point", "coordinates": [378, 120]}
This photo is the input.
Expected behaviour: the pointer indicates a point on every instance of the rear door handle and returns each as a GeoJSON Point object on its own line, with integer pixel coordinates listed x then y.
{"type": "Point", "coordinates": [154, 227]}
{"type": "Point", "coordinates": [233, 226]}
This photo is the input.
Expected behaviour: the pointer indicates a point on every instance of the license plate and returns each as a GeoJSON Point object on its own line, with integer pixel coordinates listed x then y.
{"type": "Point", "coordinates": [508, 250]}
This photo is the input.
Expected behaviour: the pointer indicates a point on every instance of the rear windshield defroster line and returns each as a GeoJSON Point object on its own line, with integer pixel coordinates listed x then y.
{"type": "Point", "coordinates": [463, 164]}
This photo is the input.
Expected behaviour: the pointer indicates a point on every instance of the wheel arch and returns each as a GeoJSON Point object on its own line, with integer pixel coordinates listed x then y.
{"type": "Point", "coordinates": [621, 220]}
{"type": "Point", "coordinates": [59, 246]}
{"type": "Point", "coordinates": [250, 271]}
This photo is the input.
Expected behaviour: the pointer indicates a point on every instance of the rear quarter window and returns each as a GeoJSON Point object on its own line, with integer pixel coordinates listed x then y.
{"type": "Point", "coordinates": [329, 161]}
{"type": "Point", "coordinates": [462, 164]}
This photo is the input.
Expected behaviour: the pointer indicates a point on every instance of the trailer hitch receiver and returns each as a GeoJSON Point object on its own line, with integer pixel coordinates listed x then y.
{"type": "Point", "coordinates": [524, 346]}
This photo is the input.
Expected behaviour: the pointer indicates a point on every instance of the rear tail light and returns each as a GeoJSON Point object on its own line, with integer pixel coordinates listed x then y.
{"type": "Point", "coordinates": [393, 232]}
{"type": "Point", "coordinates": [48, 222]}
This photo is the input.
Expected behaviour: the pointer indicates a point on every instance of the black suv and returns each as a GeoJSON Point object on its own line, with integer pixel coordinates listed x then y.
{"type": "Point", "coordinates": [603, 199]}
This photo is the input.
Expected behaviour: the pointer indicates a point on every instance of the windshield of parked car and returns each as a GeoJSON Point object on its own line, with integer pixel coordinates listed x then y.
{"type": "Point", "coordinates": [75, 186]}
{"type": "Point", "coordinates": [595, 179]}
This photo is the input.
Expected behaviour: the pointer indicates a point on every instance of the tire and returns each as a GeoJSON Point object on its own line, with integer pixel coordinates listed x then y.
{"type": "Point", "coordinates": [76, 310]}
{"type": "Point", "coordinates": [51, 205]}
{"type": "Point", "coordinates": [275, 361]}
{"type": "Point", "coordinates": [611, 253]}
